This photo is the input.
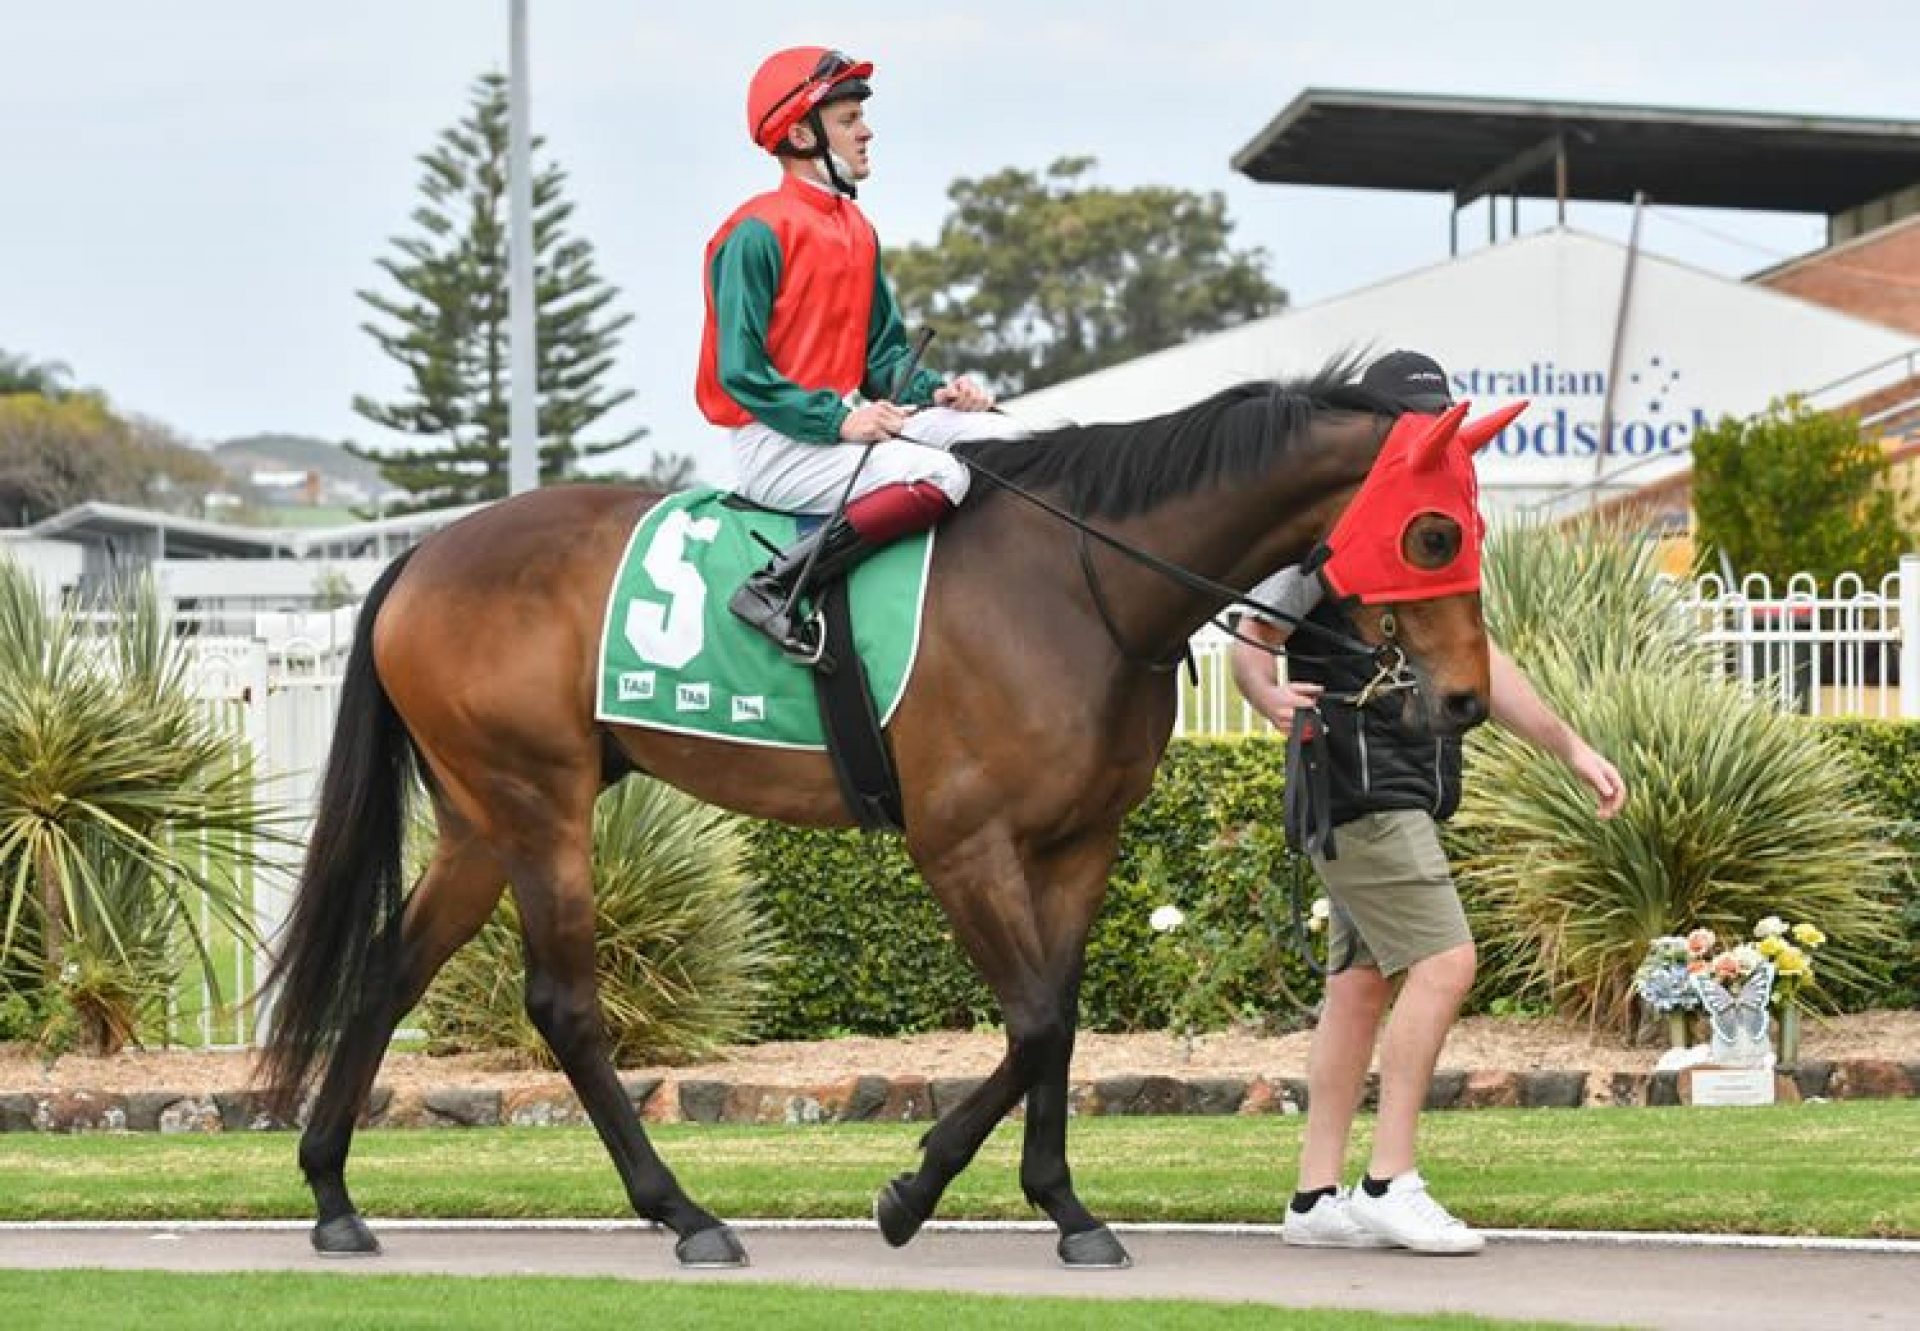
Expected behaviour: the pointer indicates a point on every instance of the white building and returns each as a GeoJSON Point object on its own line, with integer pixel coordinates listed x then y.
{"type": "Point", "coordinates": [1534, 318]}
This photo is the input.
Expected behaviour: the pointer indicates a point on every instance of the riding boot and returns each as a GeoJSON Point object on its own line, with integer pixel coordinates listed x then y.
{"type": "Point", "coordinates": [770, 599]}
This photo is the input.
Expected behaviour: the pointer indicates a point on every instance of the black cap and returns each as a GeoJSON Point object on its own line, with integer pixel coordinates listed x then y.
{"type": "Point", "coordinates": [1409, 380]}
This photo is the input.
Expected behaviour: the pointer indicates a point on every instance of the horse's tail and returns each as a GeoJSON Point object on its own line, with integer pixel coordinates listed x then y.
{"type": "Point", "coordinates": [342, 941]}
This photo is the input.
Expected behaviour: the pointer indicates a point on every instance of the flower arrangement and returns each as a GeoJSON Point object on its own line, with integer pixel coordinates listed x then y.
{"type": "Point", "coordinates": [1790, 948]}
{"type": "Point", "coordinates": [1663, 979]}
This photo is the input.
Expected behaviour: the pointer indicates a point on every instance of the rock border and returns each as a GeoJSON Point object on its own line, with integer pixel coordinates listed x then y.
{"type": "Point", "coordinates": [877, 1099]}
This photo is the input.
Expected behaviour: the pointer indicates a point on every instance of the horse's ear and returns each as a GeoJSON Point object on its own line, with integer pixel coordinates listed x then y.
{"type": "Point", "coordinates": [1429, 451]}
{"type": "Point", "coordinates": [1476, 435]}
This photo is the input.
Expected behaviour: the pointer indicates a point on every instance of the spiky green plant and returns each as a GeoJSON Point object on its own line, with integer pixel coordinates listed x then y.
{"type": "Point", "coordinates": [1590, 590]}
{"type": "Point", "coordinates": [121, 962]}
{"type": "Point", "coordinates": [1736, 810]}
{"type": "Point", "coordinates": [114, 781]}
{"type": "Point", "coordinates": [681, 952]}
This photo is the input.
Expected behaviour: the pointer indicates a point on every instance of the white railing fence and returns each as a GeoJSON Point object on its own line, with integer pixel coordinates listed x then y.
{"type": "Point", "coordinates": [279, 693]}
{"type": "Point", "coordinates": [1840, 653]}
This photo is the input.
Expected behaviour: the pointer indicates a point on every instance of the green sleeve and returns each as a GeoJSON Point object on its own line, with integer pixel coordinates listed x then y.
{"type": "Point", "coordinates": [744, 279]}
{"type": "Point", "coordinates": [888, 351]}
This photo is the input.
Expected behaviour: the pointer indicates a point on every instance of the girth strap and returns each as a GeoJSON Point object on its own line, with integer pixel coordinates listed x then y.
{"type": "Point", "coordinates": [862, 758]}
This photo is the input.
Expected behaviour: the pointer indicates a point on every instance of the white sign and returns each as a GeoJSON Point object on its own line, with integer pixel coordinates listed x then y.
{"type": "Point", "coordinates": [691, 698]}
{"type": "Point", "coordinates": [1733, 1086]}
{"type": "Point", "coordinates": [1655, 409]}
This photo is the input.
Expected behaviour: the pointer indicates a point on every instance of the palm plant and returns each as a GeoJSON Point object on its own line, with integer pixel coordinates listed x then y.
{"type": "Point", "coordinates": [1737, 809]}
{"type": "Point", "coordinates": [682, 955]}
{"type": "Point", "coordinates": [115, 784]}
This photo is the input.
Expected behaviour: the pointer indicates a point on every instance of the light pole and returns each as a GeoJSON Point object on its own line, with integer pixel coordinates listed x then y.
{"type": "Point", "coordinates": [523, 459]}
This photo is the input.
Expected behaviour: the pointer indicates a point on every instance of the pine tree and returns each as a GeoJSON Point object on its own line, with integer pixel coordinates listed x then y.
{"type": "Point", "coordinates": [449, 327]}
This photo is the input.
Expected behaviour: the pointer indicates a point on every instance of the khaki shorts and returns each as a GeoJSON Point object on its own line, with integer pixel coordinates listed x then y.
{"type": "Point", "coordinates": [1393, 897]}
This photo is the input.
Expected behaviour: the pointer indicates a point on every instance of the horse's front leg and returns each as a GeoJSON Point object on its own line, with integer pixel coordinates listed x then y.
{"type": "Point", "coordinates": [985, 885]}
{"type": "Point", "coordinates": [1075, 885]}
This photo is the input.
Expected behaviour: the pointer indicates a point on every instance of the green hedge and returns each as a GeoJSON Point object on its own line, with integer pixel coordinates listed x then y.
{"type": "Point", "coordinates": [867, 950]}
{"type": "Point", "coordinates": [1889, 754]}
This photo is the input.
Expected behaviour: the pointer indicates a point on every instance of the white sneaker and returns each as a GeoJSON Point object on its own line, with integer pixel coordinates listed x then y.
{"type": "Point", "coordinates": [1408, 1215]}
{"type": "Point", "coordinates": [1328, 1225]}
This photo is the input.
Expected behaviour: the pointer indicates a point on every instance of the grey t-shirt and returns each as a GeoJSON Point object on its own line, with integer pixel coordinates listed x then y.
{"type": "Point", "coordinates": [1289, 590]}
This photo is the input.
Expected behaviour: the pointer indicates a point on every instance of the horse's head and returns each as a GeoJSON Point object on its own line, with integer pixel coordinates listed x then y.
{"type": "Point", "coordinates": [1407, 550]}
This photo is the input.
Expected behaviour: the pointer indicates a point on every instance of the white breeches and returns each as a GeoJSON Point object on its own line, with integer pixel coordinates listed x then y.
{"type": "Point", "coordinates": [781, 473]}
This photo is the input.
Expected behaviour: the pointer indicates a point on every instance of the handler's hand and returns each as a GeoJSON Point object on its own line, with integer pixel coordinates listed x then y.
{"type": "Point", "coordinates": [1601, 777]}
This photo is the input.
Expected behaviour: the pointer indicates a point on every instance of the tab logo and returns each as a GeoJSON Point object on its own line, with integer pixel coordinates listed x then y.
{"type": "Point", "coordinates": [691, 698]}
{"type": "Point", "coordinates": [634, 686]}
{"type": "Point", "coordinates": [750, 708]}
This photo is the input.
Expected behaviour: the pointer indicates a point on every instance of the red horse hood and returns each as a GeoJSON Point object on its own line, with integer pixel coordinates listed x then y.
{"type": "Point", "coordinates": [1425, 466]}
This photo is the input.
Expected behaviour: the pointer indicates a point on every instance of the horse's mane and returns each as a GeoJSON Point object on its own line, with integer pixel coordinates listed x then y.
{"type": "Point", "coordinates": [1118, 470]}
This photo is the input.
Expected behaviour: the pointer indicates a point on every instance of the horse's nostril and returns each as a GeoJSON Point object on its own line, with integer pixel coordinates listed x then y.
{"type": "Point", "coordinates": [1465, 708]}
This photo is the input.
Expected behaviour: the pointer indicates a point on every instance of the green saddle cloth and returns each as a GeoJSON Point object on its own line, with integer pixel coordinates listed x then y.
{"type": "Point", "coordinates": [673, 657]}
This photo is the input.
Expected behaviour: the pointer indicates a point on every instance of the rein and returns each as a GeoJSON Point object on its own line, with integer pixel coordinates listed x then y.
{"type": "Point", "coordinates": [1390, 662]}
{"type": "Point", "coordinates": [1391, 674]}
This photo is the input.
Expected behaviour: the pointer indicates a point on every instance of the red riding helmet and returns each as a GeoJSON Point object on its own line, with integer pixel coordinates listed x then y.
{"type": "Point", "coordinates": [791, 84]}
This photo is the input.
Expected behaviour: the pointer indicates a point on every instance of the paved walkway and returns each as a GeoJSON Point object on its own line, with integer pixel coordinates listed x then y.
{"type": "Point", "coordinates": [1589, 1279]}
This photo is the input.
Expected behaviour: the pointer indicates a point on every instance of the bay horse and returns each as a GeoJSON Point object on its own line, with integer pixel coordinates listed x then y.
{"type": "Point", "coordinates": [1037, 711]}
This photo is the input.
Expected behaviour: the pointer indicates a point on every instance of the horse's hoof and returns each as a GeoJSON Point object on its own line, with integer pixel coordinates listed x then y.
{"type": "Point", "coordinates": [712, 1249]}
{"type": "Point", "coordinates": [897, 1219]}
{"type": "Point", "coordinates": [1093, 1250]}
{"type": "Point", "coordinates": [344, 1236]}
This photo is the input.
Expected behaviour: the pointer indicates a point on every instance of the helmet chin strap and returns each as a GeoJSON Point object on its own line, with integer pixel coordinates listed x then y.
{"type": "Point", "coordinates": [839, 173]}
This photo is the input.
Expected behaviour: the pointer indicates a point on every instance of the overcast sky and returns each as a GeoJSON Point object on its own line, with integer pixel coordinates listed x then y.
{"type": "Point", "coordinates": [192, 192]}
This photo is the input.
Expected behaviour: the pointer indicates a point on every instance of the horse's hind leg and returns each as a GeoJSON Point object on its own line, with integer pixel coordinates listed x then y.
{"type": "Point", "coordinates": [555, 893]}
{"type": "Point", "coordinates": [453, 899]}
{"type": "Point", "coordinates": [987, 889]}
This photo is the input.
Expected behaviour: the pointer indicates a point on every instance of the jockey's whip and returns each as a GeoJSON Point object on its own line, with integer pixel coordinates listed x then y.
{"type": "Point", "coordinates": [900, 383]}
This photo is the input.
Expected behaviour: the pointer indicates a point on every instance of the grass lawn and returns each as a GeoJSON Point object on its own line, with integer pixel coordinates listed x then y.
{"type": "Point", "coordinates": [80, 1300]}
{"type": "Point", "coordinates": [1843, 1169]}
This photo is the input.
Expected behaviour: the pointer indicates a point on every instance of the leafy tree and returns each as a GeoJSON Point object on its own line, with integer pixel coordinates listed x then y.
{"type": "Point", "coordinates": [168, 472]}
{"type": "Point", "coordinates": [59, 451]}
{"type": "Point", "coordinates": [1796, 490]}
{"type": "Point", "coordinates": [448, 326]}
{"type": "Point", "coordinates": [19, 374]}
{"type": "Point", "coordinates": [1039, 278]}
{"type": "Point", "coordinates": [55, 453]}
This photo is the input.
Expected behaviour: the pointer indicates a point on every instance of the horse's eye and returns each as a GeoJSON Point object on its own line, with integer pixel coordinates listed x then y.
{"type": "Point", "coordinates": [1432, 542]}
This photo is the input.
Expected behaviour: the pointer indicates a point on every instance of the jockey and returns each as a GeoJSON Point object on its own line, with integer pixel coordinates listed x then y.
{"type": "Point", "coordinates": [800, 320]}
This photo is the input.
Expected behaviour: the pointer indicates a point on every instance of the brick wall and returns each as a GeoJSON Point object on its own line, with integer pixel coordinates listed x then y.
{"type": "Point", "coordinates": [1876, 277]}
